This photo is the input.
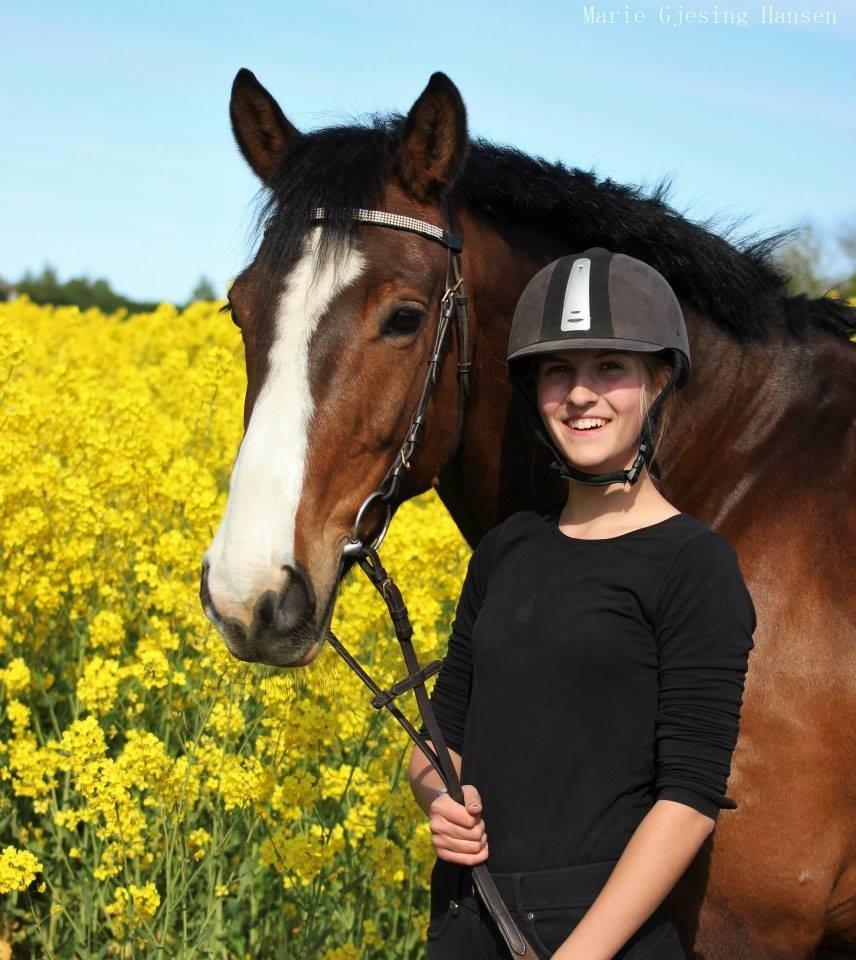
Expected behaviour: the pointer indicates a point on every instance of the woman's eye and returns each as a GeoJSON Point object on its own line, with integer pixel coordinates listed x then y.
{"type": "Point", "coordinates": [610, 365]}
{"type": "Point", "coordinates": [403, 321]}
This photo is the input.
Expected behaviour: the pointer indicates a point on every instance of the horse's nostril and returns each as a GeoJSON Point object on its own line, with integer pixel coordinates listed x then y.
{"type": "Point", "coordinates": [235, 632]}
{"type": "Point", "coordinates": [265, 614]}
{"type": "Point", "coordinates": [296, 603]}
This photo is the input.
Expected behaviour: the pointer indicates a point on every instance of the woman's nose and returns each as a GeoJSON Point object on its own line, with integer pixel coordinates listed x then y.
{"type": "Point", "coordinates": [580, 394]}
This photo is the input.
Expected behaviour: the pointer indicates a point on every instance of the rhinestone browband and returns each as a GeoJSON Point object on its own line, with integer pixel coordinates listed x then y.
{"type": "Point", "coordinates": [399, 222]}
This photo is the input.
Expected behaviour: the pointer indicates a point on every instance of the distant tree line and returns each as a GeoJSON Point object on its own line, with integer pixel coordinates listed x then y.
{"type": "Point", "coordinates": [803, 259]}
{"type": "Point", "coordinates": [46, 287]}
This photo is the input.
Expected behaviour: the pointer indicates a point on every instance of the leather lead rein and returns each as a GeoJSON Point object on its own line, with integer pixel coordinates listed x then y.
{"type": "Point", "coordinates": [453, 310]}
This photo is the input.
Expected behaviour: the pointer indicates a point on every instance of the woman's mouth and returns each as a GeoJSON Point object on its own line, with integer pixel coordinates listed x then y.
{"type": "Point", "coordinates": [585, 425]}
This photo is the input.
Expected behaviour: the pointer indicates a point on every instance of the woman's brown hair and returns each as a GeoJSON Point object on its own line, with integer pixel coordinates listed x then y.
{"type": "Point", "coordinates": [658, 367]}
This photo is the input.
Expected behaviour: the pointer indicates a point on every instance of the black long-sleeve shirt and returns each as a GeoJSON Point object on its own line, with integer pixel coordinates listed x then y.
{"type": "Point", "coordinates": [586, 679]}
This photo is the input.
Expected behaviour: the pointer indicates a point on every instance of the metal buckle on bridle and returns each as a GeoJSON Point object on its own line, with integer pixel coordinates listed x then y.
{"type": "Point", "coordinates": [449, 296]}
{"type": "Point", "coordinates": [354, 546]}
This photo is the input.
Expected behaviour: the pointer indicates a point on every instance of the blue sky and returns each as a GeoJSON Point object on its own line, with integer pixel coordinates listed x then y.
{"type": "Point", "coordinates": [118, 158]}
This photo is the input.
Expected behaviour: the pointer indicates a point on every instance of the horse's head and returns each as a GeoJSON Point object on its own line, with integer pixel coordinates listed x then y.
{"type": "Point", "coordinates": [338, 321]}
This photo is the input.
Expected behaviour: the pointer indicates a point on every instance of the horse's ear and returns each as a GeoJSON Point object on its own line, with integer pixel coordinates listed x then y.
{"type": "Point", "coordinates": [261, 129]}
{"type": "Point", "coordinates": [434, 142]}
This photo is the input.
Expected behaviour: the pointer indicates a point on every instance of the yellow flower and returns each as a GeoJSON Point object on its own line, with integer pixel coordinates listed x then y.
{"type": "Point", "coordinates": [132, 907]}
{"type": "Point", "coordinates": [372, 936]}
{"type": "Point", "coordinates": [98, 688]}
{"type": "Point", "coordinates": [240, 781]}
{"type": "Point", "coordinates": [347, 951]}
{"type": "Point", "coordinates": [107, 631]}
{"type": "Point", "coordinates": [126, 727]}
{"type": "Point", "coordinates": [18, 869]}
{"type": "Point", "coordinates": [19, 716]}
{"type": "Point", "coordinates": [198, 842]}
{"type": "Point", "coordinates": [151, 666]}
{"type": "Point", "coordinates": [226, 719]}
{"type": "Point", "coordinates": [31, 769]}
{"type": "Point", "coordinates": [15, 677]}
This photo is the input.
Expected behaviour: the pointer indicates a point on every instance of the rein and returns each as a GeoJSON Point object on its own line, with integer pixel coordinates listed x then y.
{"type": "Point", "coordinates": [453, 311]}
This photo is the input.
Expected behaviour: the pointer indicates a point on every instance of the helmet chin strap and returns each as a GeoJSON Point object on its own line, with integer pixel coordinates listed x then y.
{"type": "Point", "coordinates": [628, 476]}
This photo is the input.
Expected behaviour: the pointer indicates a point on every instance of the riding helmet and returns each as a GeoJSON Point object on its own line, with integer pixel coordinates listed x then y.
{"type": "Point", "coordinates": [597, 300]}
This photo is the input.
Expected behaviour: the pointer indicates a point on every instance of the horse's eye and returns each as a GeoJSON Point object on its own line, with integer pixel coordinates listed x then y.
{"type": "Point", "coordinates": [403, 321]}
{"type": "Point", "coordinates": [228, 308]}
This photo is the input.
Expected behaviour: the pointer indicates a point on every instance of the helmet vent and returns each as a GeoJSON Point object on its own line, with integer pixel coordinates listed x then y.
{"type": "Point", "coordinates": [576, 310]}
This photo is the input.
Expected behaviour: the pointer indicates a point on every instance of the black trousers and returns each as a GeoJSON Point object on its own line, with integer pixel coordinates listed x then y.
{"type": "Point", "coordinates": [546, 905]}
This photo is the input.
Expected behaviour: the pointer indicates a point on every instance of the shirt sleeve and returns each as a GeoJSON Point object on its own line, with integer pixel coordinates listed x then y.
{"type": "Point", "coordinates": [705, 622]}
{"type": "Point", "coordinates": [450, 697]}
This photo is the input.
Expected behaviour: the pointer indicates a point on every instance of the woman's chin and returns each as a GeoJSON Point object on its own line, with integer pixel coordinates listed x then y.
{"type": "Point", "coordinates": [584, 453]}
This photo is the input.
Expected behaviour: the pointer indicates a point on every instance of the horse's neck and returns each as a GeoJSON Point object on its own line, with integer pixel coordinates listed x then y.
{"type": "Point", "coordinates": [756, 426]}
{"type": "Point", "coordinates": [701, 457]}
{"type": "Point", "coordinates": [494, 473]}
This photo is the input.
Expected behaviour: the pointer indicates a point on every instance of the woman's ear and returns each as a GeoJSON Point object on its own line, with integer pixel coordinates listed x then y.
{"type": "Point", "coordinates": [659, 379]}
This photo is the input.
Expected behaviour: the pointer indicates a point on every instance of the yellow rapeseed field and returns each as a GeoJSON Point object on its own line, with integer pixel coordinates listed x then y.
{"type": "Point", "coordinates": [157, 797]}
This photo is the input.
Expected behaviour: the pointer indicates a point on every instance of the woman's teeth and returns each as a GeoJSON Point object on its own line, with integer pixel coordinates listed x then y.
{"type": "Point", "coordinates": [589, 423]}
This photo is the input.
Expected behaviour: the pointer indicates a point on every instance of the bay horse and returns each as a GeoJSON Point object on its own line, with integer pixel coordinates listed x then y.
{"type": "Point", "coordinates": [338, 321]}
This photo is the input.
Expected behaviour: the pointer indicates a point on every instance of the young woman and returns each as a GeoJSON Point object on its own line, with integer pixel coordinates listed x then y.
{"type": "Point", "coordinates": [592, 688]}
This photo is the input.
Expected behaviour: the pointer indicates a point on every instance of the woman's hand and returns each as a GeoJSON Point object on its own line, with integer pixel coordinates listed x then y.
{"type": "Point", "coordinates": [457, 830]}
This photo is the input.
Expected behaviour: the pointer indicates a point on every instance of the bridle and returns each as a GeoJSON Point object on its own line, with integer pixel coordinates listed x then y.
{"type": "Point", "coordinates": [453, 305]}
{"type": "Point", "coordinates": [453, 312]}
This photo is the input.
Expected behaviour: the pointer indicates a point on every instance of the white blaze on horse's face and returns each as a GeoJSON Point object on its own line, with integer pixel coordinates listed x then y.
{"type": "Point", "coordinates": [256, 536]}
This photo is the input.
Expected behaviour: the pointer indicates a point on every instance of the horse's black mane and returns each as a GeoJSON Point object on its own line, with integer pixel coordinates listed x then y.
{"type": "Point", "coordinates": [734, 282]}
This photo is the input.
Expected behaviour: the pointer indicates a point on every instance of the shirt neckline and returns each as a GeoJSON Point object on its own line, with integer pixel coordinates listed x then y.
{"type": "Point", "coordinates": [553, 522]}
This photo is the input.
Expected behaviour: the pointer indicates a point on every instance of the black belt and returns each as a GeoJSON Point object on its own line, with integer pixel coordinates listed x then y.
{"type": "Point", "coordinates": [560, 887]}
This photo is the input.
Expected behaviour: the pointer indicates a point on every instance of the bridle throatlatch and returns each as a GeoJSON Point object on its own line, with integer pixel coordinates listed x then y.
{"type": "Point", "coordinates": [453, 312]}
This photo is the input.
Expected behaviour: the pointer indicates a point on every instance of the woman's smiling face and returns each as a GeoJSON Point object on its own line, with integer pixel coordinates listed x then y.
{"type": "Point", "coordinates": [591, 403]}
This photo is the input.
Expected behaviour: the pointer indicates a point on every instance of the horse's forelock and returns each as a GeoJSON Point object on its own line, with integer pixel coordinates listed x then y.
{"type": "Point", "coordinates": [338, 168]}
